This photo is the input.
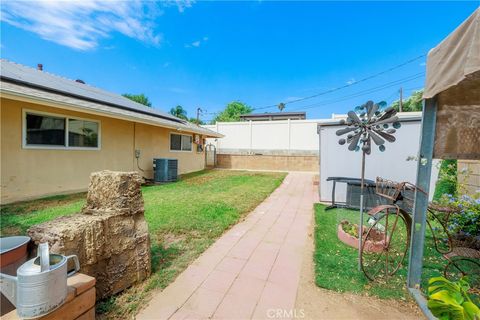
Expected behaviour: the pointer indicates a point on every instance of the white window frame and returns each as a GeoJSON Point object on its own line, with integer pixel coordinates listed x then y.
{"type": "Point", "coordinates": [178, 134]}
{"type": "Point", "coordinates": [54, 147]}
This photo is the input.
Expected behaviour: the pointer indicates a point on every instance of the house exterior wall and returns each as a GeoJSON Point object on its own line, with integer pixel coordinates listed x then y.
{"type": "Point", "coordinates": [32, 173]}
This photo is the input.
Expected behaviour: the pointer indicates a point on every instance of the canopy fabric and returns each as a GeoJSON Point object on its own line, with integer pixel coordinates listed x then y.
{"type": "Point", "coordinates": [453, 78]}
{"type": "Point", "coordinates": [455, 59]}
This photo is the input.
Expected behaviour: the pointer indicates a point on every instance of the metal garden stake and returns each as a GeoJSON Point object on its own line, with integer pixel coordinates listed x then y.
{"type": "Point", "coordinates": [366, 124]}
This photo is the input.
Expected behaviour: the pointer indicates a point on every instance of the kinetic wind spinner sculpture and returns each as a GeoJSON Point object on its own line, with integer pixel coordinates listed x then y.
{"type": "Point", "coordinates": [371, 124]}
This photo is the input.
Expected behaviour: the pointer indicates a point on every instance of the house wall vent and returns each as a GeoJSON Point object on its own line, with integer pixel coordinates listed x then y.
{"type": "Point", "coordinates": [165, 170]}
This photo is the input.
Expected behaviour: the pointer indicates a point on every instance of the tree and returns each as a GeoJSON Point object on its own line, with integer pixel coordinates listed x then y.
{"type": "Point", "coordinates": [232, 112]}
{"type": "Point", "coordinates": [412, 103]}
{"type": "Point", "coordinates": [194, 120]}
{"type": "Point", "coordinates": [139, 98]}
{"type": "Point", "coordinates": [179, 112]}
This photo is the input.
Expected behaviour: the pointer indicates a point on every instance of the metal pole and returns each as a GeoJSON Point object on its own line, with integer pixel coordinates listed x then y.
{"type": "Point", "coordinates": [360, 228]}
{"type": "Point", "coordinates": [400, 107]}
{"type": "Point", "coordinates": [424, 169]}
{"type": "Point", "coordinates": [198, 115]}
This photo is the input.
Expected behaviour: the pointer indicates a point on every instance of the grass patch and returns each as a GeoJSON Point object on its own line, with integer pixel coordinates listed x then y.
{"type": "Point", "coordinates": [336, 263]}
{"type": "Point", "coordinates": [184, 218]}
{"type": "Point", "coordinates": [16, 218]}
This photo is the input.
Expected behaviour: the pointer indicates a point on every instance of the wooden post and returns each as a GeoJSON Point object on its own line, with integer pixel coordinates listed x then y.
{"type": "Point", "coordinates": [424, 170]}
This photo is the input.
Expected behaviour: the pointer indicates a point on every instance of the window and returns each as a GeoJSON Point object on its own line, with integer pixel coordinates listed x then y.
{"type": "Point", "coordinates": [45, 130]}
{"type": "Point", "coordinates": [180, 142]}
{"type": "Point", "coordinates": [82, 133]}
{"type": "Point", "coordinates": [42, 130]}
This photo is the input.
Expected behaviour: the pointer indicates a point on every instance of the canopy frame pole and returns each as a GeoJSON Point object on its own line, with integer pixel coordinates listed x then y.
{"type": "Point", "coordinates": [424, 170]}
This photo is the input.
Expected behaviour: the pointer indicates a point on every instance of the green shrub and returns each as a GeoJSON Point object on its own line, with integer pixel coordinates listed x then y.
{"type": "Point", "coordinates": [447, 179]}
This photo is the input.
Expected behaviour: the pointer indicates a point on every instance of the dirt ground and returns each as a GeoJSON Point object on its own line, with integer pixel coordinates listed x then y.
{"type": "Point", "coordinates": [317, 303]}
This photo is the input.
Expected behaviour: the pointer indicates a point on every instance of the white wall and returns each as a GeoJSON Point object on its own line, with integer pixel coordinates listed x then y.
{"type": "Point", "coordinates": [274, 137]}
{"type": "Point", "coordinates": [337, 160]}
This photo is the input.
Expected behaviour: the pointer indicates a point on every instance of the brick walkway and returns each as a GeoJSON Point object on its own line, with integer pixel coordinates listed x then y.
{"type": "Point", "coordinates": [253, 269]}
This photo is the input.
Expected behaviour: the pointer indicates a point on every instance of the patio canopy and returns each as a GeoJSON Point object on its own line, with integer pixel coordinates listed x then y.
{"type": "Point", "coordinates": [453, 79]}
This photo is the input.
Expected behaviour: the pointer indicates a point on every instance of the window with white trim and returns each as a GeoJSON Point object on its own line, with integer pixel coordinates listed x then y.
{"type": "Point", "coordinates": [180, 142]}
{"type": "Point", "coordinates": [44, 130]}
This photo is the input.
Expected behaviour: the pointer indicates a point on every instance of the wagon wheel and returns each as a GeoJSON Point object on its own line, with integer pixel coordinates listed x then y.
{"type": "Point", "coordinates": [460, 267]}
{"type": "Point", "coordinates": [385, 243]}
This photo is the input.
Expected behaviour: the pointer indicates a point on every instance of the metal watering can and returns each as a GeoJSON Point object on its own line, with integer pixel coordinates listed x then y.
{"type": "Point", "coordinates": [40, 285]}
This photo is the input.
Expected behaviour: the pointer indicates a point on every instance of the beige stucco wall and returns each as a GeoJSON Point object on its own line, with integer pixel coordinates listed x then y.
{"type": "Point", "coordinates": [469, 176]}
{"type": "Point", "coordinates": [32, 173]}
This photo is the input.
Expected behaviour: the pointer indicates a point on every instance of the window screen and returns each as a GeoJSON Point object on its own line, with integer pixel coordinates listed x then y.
{"type": "Point", "coordinates": [175, 142]}
{"type": "Point", "coordinates": [45, 130]}
{"type": "Point", "coordinates": [82, 133]}
{"type": "Point", "coordinates": [186, 143]}
{"type": "Point", "coordinates": [180, 142]}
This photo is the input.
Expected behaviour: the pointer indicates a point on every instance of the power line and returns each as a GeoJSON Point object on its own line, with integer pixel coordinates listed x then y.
{"type": "Point", "coordinates": [363, 92]}
{"type": "Point", "coordinates": [348, 84]}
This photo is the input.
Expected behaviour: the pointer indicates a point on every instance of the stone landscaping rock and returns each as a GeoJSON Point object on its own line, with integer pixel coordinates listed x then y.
{"type": "Point", "coordinates": [113, 191]}
{"type": "Point", "coordinates": [110, 235]}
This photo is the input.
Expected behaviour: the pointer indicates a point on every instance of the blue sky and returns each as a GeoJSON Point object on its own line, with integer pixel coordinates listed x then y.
{"type": "Point", "coordinates": [206, 54]}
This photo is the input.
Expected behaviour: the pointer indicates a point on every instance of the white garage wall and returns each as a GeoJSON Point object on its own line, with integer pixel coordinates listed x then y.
{"type": "Point", "coordinates": [337, 160]}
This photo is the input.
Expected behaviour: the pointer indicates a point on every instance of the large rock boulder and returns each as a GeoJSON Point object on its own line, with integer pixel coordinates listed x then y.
{"type": "Point", "coordinates": [110, 235]}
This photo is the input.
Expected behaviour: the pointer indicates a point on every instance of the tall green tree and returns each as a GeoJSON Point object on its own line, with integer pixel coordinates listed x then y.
{"type": "Point", "coordinates": [232, 112]}
{"type": "Point", "coordinates": [139, 98]}
{"type": "Point", "coordinates": [194, 120]}
{"type": "Point", "coordinates": [179, 112]}
{"type": "Point", "coordinates": [412, 103]}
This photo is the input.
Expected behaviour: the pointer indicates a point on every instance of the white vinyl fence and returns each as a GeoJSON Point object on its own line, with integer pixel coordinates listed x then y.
{"type": "Point", "coordinates": [295, 137]}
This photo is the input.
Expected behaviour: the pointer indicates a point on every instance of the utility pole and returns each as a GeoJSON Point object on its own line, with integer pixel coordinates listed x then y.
{"type": "Point", "coordinates": [401, 100]}
{"type": "Point", "coordinates": [198, 115]}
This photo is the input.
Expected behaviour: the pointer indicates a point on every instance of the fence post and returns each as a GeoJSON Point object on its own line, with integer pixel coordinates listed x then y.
{"type": "Point", "coordinates": [217, 142]}
{"type": "Point", "coordinates": [289, 135]}
{"type": "Point", "coordinates": [251, 136]}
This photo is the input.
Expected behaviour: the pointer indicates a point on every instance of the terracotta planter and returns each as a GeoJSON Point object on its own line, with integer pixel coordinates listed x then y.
{"type": "Point", "coordinates": [369, 246]}
{"type": "Point", "coordinates": [13, 250]}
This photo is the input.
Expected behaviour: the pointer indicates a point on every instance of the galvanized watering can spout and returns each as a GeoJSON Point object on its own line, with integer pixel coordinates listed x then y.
{"type": "Point", "coordinates": [8, 286]}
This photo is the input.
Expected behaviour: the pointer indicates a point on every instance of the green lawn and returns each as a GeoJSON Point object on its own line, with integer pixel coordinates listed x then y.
{"type": "Point", "coordinates": [184, 218]}
{"type": "Point", "coordinates": [336, 263]}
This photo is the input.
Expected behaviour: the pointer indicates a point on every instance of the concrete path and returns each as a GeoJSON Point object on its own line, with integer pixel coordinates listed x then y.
{"type": "Point", "coordinates": [253, 270]}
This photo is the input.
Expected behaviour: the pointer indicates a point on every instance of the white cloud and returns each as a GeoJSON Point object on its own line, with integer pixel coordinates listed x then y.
{"type": "Point", "coordinates": [82, 24]}
{"type": "Point", "coordinates": [181, 4]}
{"type": "Point", "coordinates": [177, 90]}
{"type": "Point", "coordinates": [196, 43]}
{"type": "Point", "coordinates": [351, 81]}
{"type": "Point", "coordinates": [423, 64]}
